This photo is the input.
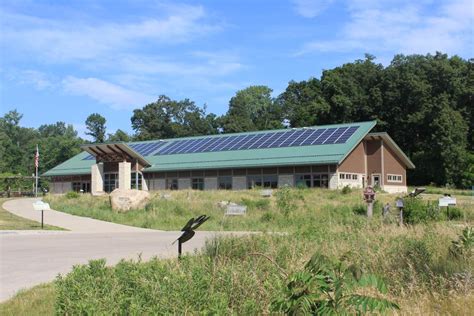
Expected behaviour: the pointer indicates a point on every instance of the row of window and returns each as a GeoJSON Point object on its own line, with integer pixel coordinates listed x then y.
{"type": "Point", "coordinates": [223, 183]}
{"type": "Point", "coordinates": [394, 178]}
{"type": "Point", "coordinates": [348, 176]}
{"type": "Point", "coordinates": [265, 181]}
{"type": "Point", "coordinates": [312, 180]}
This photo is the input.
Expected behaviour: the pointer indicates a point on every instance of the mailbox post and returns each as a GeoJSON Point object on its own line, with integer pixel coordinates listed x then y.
{"type": "Point", "coordinates": [369, 197]}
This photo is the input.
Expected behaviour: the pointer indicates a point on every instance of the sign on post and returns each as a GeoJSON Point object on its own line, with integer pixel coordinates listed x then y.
{"type": "Point", "coordinates": [41, 206]}
{"type": "Point", "coordinates": [447, 201]}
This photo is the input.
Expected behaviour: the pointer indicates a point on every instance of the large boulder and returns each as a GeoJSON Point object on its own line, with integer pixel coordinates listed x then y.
{"type": "Point", "coordinates": [125, 200]}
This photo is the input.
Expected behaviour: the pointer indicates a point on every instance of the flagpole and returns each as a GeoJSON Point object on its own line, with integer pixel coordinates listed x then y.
{"type": "Point", "coordinates": [36, 167]}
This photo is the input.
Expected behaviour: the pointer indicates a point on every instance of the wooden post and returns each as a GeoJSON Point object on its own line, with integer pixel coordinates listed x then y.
{"type": "Point", "coordinates": [370, 209]}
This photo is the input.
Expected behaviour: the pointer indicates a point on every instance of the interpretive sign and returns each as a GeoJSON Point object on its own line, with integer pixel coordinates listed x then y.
{"type": "Point", "coordinates": [236, 210]}
{"type": "Point", "coordinates": [41, 206]}
{"type": "Point", "coordinates": [447, 201]}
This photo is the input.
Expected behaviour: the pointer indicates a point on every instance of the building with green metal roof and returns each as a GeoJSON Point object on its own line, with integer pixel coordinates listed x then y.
{"type": "Point", "coordinates": [330, 156]}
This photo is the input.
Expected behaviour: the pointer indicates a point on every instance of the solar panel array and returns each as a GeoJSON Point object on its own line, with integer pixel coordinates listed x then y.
{"type": "Point", "coordinates": [290, 138]}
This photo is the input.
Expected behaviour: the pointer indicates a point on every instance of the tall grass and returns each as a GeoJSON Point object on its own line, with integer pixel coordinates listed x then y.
{"type": "Point", "coordinates": [244, 275]}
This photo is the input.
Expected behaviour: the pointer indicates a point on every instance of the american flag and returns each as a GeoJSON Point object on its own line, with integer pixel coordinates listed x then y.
{"type": "Point", "coordinates": [37, 155]}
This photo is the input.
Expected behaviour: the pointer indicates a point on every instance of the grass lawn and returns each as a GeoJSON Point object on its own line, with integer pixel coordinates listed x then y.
{"type": "Point", "coordinates": [247, 275]}
{"type": "Point", "coordinates": [262, 214]}
{"type": "Point", "coordinates": [38, 300]}
{"type": "Point", "coordinates": [9, 221]}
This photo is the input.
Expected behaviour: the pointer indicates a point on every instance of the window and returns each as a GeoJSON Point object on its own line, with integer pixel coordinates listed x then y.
{"type": "Point", "coordinates": [76, 186]}
{"type": "Point", "coordinates": [303, 180]}
{"type": "Point", "coordinates": [270, 181]}
{"type": "Point", "coordinates": [225, 183]}
{"type": "Point", "coordinates": [394, 178]}
{"type": "Point", "coordinates": [254, 181]}
{"type": "Point", "coordinates": [197, 183]}
{"type": "Point", "coordinates": [321, 180]}
{"type": "Point", "coordinates": [354, 177]}
{"type": "Point", "coordinates": [133, 181]}
{"type": "Point", "coordinates": [342, 175]}
{"type": "Point", "coordinates": [110, 182]}
{"type": "Point", "coordinates": [172, 184]}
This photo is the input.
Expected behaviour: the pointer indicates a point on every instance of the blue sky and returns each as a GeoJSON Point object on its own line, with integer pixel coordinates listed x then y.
{"type": "Point", "coordinates": [63, 60]}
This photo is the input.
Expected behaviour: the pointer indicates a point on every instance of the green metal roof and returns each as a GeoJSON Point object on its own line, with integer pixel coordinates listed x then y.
{"type": "Point", "coordinates": [263, 157]}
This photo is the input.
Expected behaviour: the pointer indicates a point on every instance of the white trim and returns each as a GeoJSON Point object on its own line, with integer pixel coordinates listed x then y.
{"type": "Point", "coordinates": [395, 189]}
{"type": "Point", "coordinates": [382, 180]}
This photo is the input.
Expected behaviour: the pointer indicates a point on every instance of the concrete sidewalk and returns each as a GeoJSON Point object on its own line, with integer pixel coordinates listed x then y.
{"type": "Point", "coordinates": [24, 208]}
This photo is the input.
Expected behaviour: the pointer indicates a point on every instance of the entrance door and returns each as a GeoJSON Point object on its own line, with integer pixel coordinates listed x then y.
{"type": "Point", "coordinates": [363, 182]}
{"type": "Point", "coordinates": [376, 180]}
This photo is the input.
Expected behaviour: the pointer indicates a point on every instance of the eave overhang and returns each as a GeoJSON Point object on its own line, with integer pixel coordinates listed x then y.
{"type": "Point", "coordinates": [115, 152]}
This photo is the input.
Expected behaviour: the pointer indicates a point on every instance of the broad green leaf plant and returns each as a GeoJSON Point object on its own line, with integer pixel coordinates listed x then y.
{"type": "Point", "coordinates": [326, 287]}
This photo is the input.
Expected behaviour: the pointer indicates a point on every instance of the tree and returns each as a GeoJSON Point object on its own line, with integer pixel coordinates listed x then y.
{"type": "Point", "coordinates": [166, 118]}
{"type": "Point", "coordinates": [95, 123]}
{"type": "Point", "coordinates": [303, 103]}
{"type": "Point", "coordinates": [252, 109]}
{"type": "Point", "coordinates": [119, 136]}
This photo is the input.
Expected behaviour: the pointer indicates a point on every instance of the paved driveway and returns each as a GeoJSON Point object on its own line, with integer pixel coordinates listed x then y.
{"type": "Point", "coordinates": [28, 258]}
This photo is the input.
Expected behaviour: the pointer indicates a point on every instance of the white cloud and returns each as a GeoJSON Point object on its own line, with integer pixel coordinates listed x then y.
{"type": "Point", "coordinates": [63, 40]}
{"type": "Point", "coordinates": [200, 64]}
{"type": "Point", "coordinates": [116, 96]}
{"type": "Point", "coordinates": [39, 80]}
{"type": "Point", "coordinates": [310, 8]}
{"type": "Point", "coordinates": [406, 27]}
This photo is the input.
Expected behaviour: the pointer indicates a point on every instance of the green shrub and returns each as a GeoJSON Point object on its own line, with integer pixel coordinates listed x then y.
{"type": "Point", "coordinates": [463, 247]}
{"type": "Point", "coordinates": [267, 217]}
{"type": "Point", "coordinates": [417, 211]}
{"type": "Point", "coordinates": [326, 287]}
{"type": "Point", "coordinates": [346, 190]}
{"type": "Point", "coordinates": [360, 209]}
{"type": "Point", "coordinates": [72, 195]}
{"type": "Point", "coordinates": [301, 185]}
{"type": "Point", "coordinates": [286, 200]}
{"type": "Point", "coordinates": [454, 213]}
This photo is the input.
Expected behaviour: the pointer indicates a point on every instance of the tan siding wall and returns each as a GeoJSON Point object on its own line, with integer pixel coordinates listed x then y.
{"type": "Point", "coordinates": [355, 161]}
{"type": "Point", "coordinates": [393, 165]}
{"type": "Point", "coordinates": [374, 159]}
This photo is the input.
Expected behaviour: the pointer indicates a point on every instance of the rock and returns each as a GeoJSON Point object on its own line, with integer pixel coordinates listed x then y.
{"type": "Point", "coordinates": [125, 200]}
{"type": "Point", "coordinates": [165, 196]}
{"type": "Point", "coordinates": [223, 204]}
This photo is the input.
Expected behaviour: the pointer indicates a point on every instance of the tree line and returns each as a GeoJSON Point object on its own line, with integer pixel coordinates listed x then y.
{"type": "Point", "coordinates": [425, 102]}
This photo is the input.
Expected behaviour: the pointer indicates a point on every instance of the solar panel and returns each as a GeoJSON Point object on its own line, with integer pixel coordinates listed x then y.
{"type": "Point", "coordinates": [145, 149]}
{"type": "Point", "coordinates": [289, 138]}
